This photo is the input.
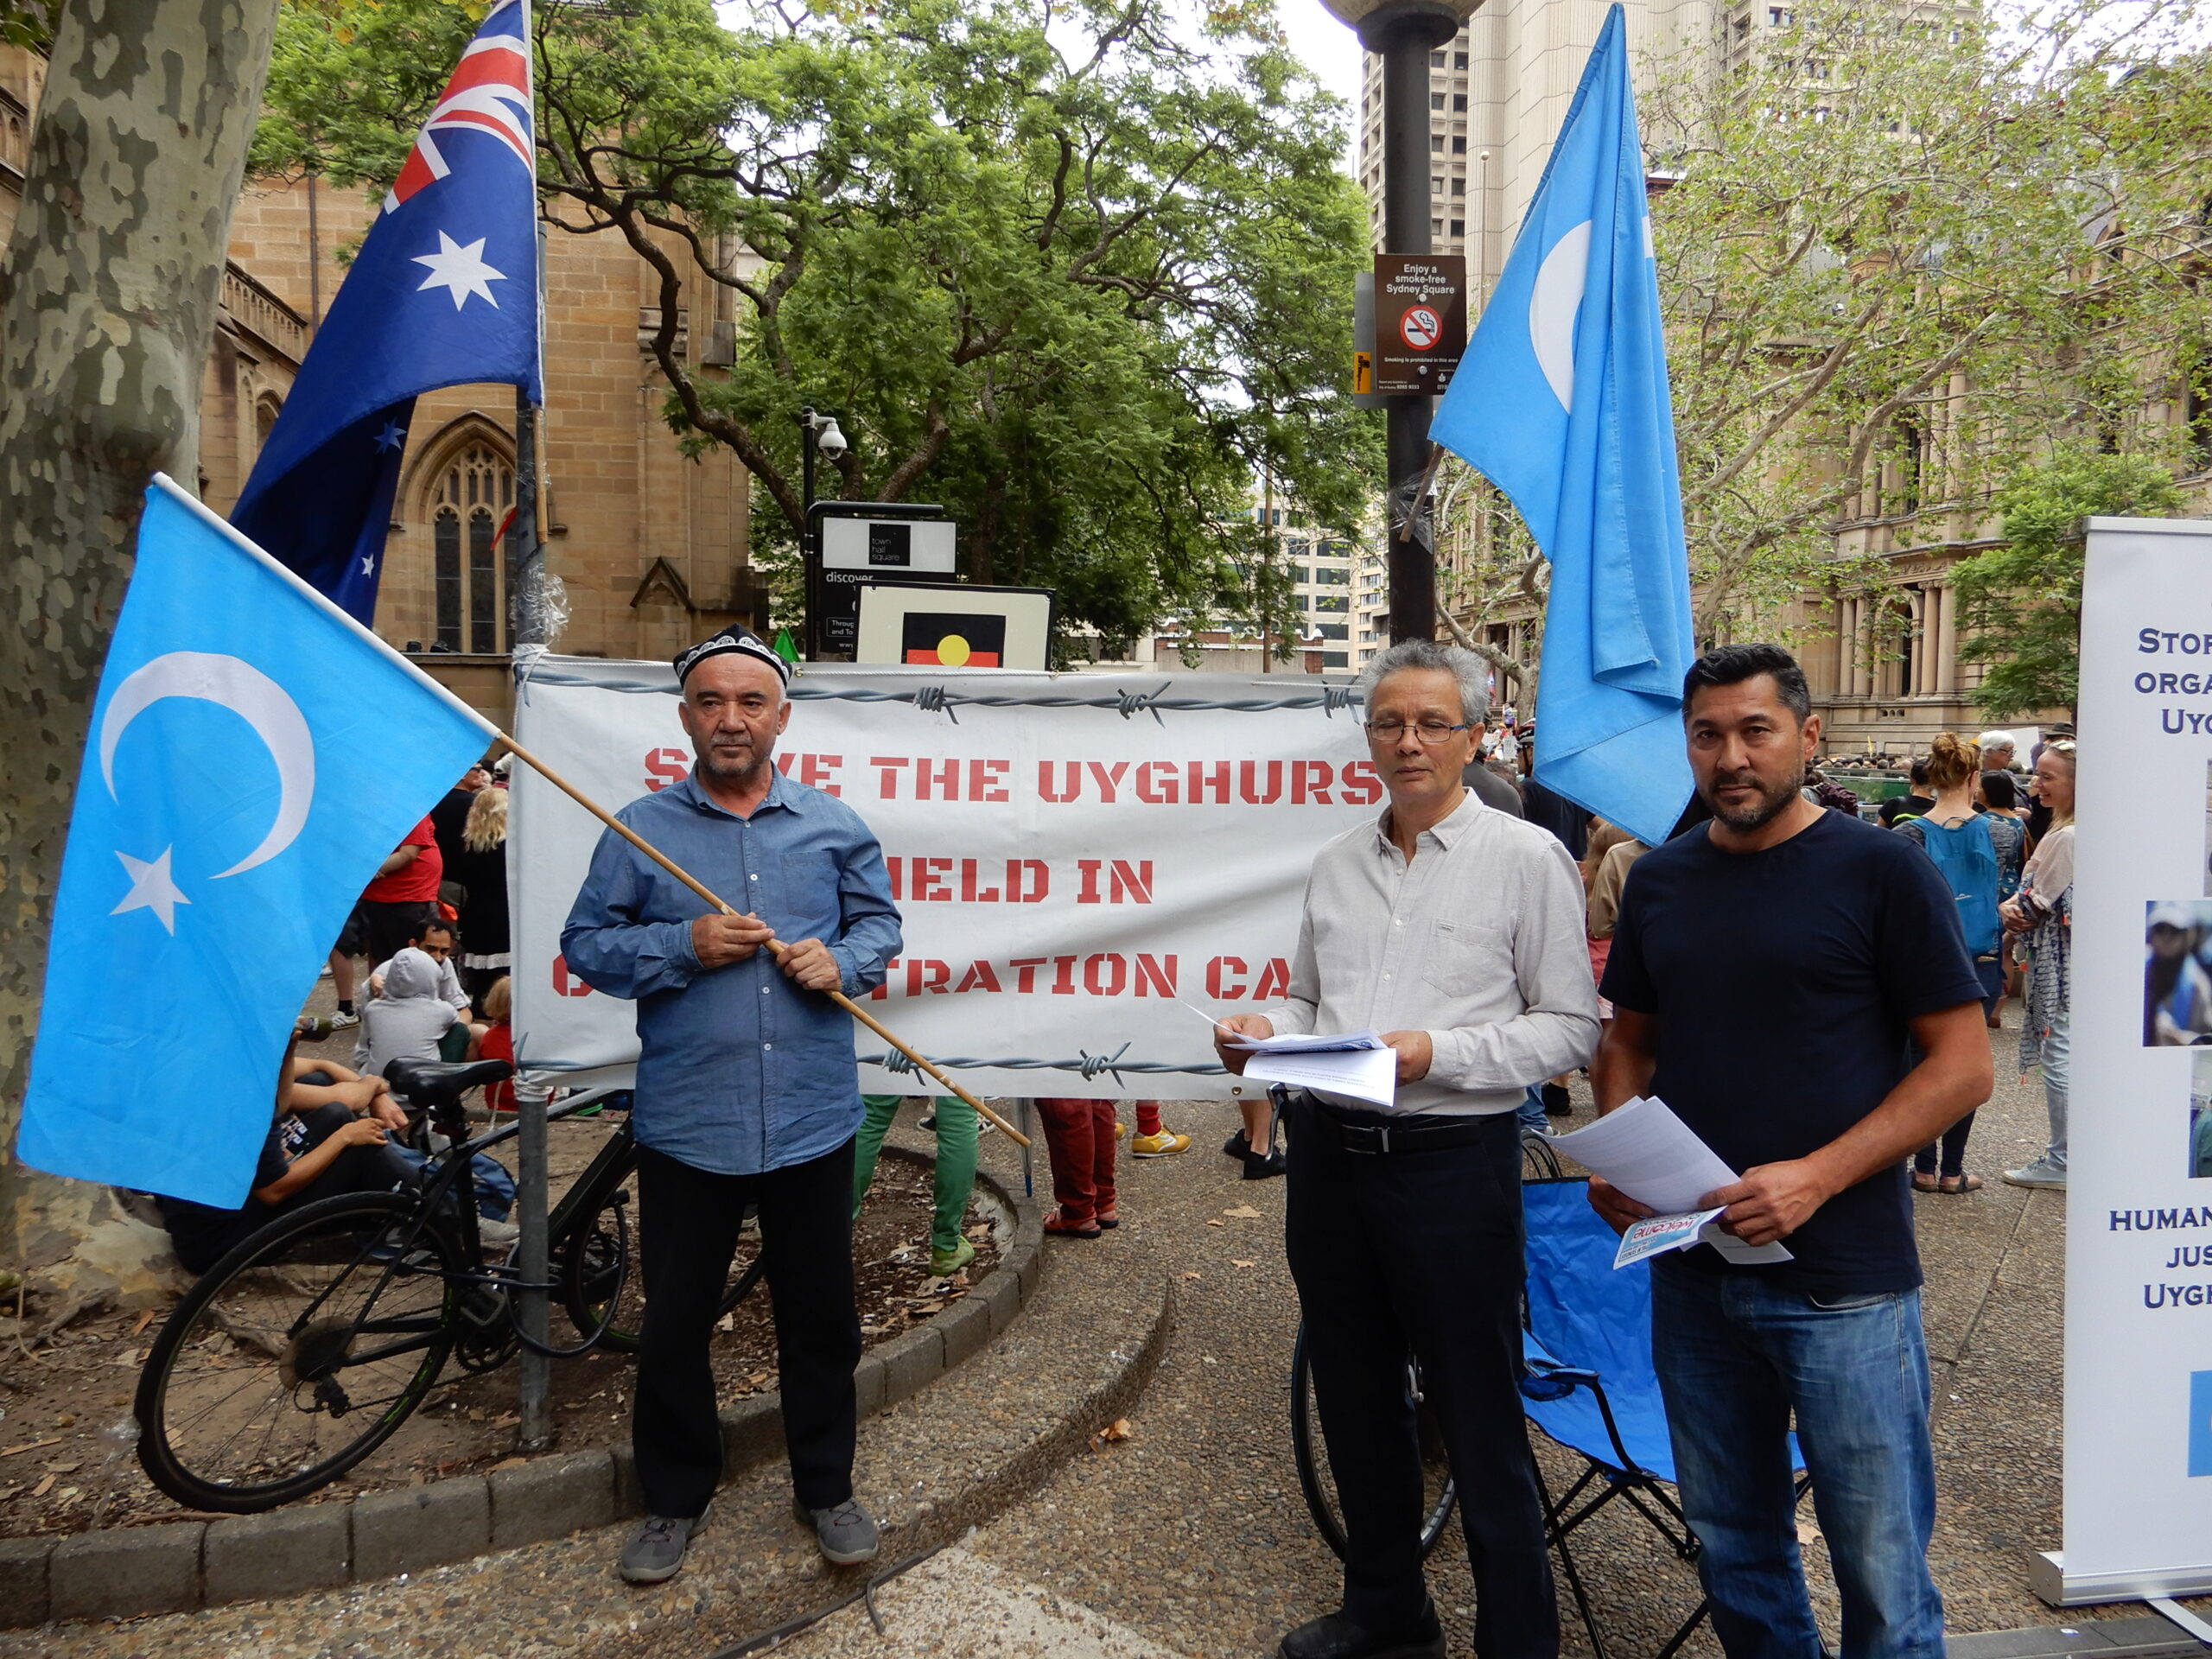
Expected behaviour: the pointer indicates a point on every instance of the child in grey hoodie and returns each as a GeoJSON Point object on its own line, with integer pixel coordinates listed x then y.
{"type": "Point", "coordinates": [405, 1022]}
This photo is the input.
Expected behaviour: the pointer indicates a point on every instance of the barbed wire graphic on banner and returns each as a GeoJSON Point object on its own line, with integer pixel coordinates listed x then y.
{"type": "Point", "coordinates": [937, 699]}
{"type": "Point", "coordinates": [530, 664]}
{"type": "Point", "coordinates": [1087, 1064]}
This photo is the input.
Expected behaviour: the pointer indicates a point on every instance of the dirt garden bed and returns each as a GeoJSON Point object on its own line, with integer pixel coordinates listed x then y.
{"type": "Point", "coordinates": [66, 1457]}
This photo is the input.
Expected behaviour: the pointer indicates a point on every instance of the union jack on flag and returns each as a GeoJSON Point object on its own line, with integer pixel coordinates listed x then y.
{"type": "Point", "coordinates": [443, 293]}
{"type": "Point", "coordinates": [489, 92]}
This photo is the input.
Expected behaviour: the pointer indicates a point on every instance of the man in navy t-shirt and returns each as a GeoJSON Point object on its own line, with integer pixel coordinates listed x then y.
{"type": "Point", "coordinates": [1766, 971]}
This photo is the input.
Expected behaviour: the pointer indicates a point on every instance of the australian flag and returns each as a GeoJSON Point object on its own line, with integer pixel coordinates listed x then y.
{"type": "Point", "coordinates": [443, 293]}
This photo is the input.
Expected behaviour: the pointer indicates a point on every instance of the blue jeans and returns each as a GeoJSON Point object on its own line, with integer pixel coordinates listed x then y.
{"type": "Point", "coordinates": [2057, 1075]}
{"type": "Point", "coordinates": [1530, 1111]}
{"type": "Point", "coordinates": [1736, 1355]}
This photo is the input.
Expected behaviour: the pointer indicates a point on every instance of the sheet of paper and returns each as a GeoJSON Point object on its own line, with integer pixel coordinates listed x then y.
{"type": "Point", "coordinates": [1656, 1234]}
{"type": "Point", "coordinates": [1359, 1064]}
{"type": "Point", "coordinates": [1314, 1043]}
{"type": "Point", "coordinates": [1651, 1155]}
{"type": "Point", "coordinates": [1317, 1043]}
{"type": "Point", "coordinates": [1361, 1073]}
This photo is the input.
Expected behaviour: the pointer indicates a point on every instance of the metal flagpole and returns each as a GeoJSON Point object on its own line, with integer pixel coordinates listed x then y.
{"type": "Point", "coordinates": [533, 1407]}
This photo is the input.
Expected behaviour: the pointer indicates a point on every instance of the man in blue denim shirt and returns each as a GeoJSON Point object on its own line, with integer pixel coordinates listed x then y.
{"type": "Point", "coordinates": [746, 1088]}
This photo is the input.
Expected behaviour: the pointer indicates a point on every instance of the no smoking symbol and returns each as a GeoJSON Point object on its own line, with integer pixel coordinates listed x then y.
{"type": "Point", "coordinates": [1420, 328]}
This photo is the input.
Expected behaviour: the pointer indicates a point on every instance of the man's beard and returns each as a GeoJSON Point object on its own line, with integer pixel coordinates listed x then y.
{"type": "Point", "coordinates": [1773, 801]}
{"type": "Point", "coordinates": [731, 765]}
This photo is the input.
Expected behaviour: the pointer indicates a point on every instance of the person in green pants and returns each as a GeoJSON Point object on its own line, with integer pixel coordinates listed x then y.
{"type": "Point", "coordinates": [949, 1251]}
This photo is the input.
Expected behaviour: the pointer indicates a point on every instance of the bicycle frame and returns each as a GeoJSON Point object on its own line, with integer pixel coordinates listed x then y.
{"type": "Point", "coordinates": [450, 1167]}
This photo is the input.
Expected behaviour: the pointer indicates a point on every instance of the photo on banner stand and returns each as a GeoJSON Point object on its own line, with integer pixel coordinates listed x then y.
{"type": "Point", "coordinates": [2177, 973]}
{"type": "Point", "coordinates": [2176, 982]}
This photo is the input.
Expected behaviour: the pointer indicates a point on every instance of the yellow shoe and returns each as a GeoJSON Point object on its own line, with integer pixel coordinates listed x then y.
{"type": "Point", "coordinates": [1166, 1144]}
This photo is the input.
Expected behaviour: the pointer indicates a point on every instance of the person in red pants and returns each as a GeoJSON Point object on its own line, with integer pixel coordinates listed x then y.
{"type": "Point", "coordinates": [1079, 1138]}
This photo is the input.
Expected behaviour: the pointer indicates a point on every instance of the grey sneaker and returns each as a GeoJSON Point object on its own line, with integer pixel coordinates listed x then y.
{"type": "Point", "coordinates": [497, 1234]}
{"type": "Point", "coordinates": [2042, 1172]}
{"type": "Point", "coordinates": [656, 1550]}
{"type": "Point", "coordinates": [845, 1531]}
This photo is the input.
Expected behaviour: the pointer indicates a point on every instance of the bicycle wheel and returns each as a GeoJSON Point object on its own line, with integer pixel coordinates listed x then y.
{"type": "Point", "coordinates": [1311, 1452]}
{"type": "Point", "coordinates": [602, 1285]}
{"type": "Point", "coordinates": [297, 1354]}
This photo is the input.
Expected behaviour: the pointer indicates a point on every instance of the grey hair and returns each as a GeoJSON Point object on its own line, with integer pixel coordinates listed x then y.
{"type": "Point", "coordinates": [1462, 665]}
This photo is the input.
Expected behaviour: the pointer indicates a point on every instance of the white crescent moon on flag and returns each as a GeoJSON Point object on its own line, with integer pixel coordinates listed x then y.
{"type": "Point", "coordinates": [1554, 300]}
{"type": "Point", "coordinates": [248, 693]}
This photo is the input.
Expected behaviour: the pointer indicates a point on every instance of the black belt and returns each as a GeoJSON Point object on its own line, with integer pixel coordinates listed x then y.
{"type": "Point", "coordinates": [1378, 1136]}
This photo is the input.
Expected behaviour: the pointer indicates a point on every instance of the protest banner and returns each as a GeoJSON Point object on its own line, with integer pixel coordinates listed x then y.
{"type": "Point", "coordinates": [2139, 1204]}
{"type": "Point", "coordinates": [1074, 856]}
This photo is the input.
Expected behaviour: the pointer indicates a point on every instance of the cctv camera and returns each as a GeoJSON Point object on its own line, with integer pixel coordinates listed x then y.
{"type": "Point", "coordinates": [832, 442]}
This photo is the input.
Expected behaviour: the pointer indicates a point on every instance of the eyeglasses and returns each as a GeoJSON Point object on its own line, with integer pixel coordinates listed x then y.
{"type": "Point", "coordinates": [1428, 731]}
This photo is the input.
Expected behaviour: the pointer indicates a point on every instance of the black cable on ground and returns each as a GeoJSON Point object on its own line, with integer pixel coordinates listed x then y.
{"type": "Point", "coordinates": [775, 1634]}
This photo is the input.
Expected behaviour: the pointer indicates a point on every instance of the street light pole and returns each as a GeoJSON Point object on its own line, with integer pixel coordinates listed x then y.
{"type": "Point", "coordinates": [1402, 33]}
{"type": "Point", "coordinates": [815, 432]}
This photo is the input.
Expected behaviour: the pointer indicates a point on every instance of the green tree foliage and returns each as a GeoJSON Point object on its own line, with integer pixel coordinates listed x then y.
{"type": "Point", "coordinates": [2022, 602]}
{"type": "Point", "coordinates": [1903, 250]}
{"type": "Point", "coordinates": [1079, 284]}
{"type": "Point", "coordinates": [1909, 250]}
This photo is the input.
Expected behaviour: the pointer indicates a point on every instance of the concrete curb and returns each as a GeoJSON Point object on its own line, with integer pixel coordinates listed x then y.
{"type": "Point", "coordinates": [176, 1566]}
{"type": "Point", "coordinates": [2146, 1636]}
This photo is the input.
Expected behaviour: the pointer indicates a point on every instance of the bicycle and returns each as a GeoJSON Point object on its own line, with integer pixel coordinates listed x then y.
{"type": "Point", "coordinates": [312, 1341]}
{"type": "Point", "coordinates": [1439, 1492]}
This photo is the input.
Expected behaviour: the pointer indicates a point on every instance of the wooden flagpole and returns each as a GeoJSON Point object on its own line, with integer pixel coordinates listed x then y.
{"type": "Point", "coordinates": [776, 946]}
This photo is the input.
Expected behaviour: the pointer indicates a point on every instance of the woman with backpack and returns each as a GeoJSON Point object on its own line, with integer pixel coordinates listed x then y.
{"type": "Point", "coordinates": [1978, 854]}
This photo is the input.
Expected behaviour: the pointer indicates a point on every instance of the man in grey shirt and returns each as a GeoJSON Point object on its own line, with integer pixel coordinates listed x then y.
{"type": "Point", "coordinates": [1457, 933]}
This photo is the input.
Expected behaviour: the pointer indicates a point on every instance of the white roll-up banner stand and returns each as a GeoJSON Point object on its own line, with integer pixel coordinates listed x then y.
{"type": "Point", "coordinates": [2138, 1238]}
{"type": "Point", "coordinates": [1074, 857]}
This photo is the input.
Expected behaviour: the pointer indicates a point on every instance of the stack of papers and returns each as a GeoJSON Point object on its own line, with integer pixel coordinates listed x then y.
{"type": "Point", "coordinates": [1359, 1064]}
{"type": "Point", "coordinates": [1642, 1149]}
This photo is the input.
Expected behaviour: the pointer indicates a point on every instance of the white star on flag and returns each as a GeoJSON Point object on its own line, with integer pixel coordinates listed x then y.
{"type": "Point", "coordinates": [151, 888]}
{"type": "Point", "coordinates": [394, 433]}
{"type": "Point", "coordinates": [459, 270]}
{"type": "Point", "coordinates": [368, 566]}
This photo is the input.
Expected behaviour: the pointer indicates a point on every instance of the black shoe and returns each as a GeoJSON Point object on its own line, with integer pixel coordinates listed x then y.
{"type": "Point", "coordinates": [1336, 1636]}
{"type": "Point", "coordinates": [1236, 1146]}
{"type": "Point", "coordinates": [1257, 1168]}
{"type": "Point", "coordinates": [1556, 1103]}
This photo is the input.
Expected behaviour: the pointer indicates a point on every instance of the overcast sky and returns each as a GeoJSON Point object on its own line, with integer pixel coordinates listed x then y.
{"type": "Point", "coordinates": [1331, 52]}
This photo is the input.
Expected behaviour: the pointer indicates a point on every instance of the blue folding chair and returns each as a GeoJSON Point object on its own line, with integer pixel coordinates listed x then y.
{"type": "Point", "coordinates": [1588, 1383]}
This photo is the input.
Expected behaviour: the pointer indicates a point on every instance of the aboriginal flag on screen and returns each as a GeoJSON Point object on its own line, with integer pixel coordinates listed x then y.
{"type": "Point", "coordinates": [952, 640]}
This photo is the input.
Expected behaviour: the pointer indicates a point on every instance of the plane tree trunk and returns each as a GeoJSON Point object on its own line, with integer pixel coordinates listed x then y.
{"type": "Point", "coordinates": [107, 302]}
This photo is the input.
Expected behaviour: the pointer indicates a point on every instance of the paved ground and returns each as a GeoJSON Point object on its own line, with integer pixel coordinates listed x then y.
{"type": "Point", "coordinates": [1191, 1534]}
{"type": "Point", "coordinates": [1189, 1538]}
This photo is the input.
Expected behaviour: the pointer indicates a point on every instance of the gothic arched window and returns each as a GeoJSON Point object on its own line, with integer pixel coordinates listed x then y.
{"type": "Point", "coordinates": [475, 492]}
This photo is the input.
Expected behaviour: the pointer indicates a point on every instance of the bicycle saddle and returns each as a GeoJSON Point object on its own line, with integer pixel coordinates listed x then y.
{"type": "Point", "coordinates": [431, 1082]}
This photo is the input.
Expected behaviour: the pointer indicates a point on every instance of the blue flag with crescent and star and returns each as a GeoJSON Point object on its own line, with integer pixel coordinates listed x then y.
{"type": "Point", "coordinates": [443, 293]}
{"type": "Point", "coordinates": [1561, 401]}
{"type": "Point", "coordinates": [254, 754]}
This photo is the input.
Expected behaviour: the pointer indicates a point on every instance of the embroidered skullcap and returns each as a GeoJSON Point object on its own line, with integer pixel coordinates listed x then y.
{"type": "Point", "coordinates": [738, 638]}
